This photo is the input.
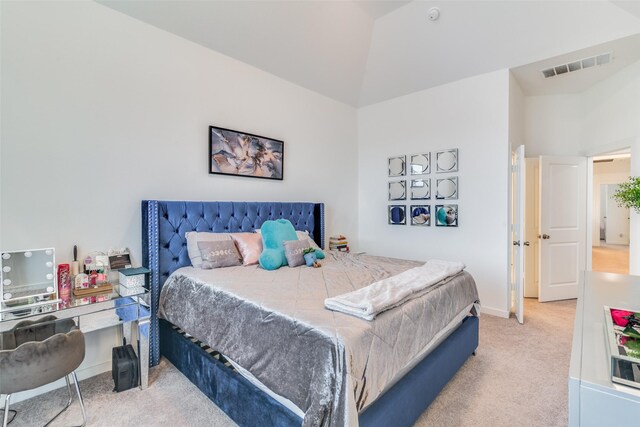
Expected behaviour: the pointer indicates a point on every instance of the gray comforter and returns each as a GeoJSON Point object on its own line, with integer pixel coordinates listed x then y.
{"type": "Point", "coordinates": [274, 324]}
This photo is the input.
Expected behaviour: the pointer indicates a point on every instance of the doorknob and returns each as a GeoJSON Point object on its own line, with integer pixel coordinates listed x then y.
{"type": "Point", "coordinates": [546, 236]}
{"type": "Point", "coordinates": [526, 243]}
{"type": "Point", "coordinates": [516, 243]}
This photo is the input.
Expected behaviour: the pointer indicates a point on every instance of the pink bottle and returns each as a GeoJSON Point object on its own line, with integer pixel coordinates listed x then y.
{"type": "Point", "coordinates": [64, 281]}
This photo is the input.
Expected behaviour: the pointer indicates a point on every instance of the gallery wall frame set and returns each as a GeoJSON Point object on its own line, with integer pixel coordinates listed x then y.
{"type": "Point", "coordinates": [238, 153]}
{"type": "Point", "coordinates": [420, 188]}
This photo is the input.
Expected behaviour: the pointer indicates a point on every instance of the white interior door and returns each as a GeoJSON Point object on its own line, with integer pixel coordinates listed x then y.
{"type": "Point", "coordinates": [616, 219]}
{"type": "Point", "coordinates": [563, 215]}
{"type": "Point", "coordinates": [518, 179]}
{"type": "Point", "coordinates": [531, 224]}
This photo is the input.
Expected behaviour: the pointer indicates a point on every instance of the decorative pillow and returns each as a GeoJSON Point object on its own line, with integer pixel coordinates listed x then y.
{"type": "Point", "coordinates": [193, 237]}
{"type": "Point", "coordinates": [274, 233]}
{"type": "Point", "coordinates": [250, 246]}
{"type": "Point", "coordinates": [305, 235]}
{"type": "Point", "coordinates": [218, 254]}
{"type": "Point", "coordinates": [293, 251]}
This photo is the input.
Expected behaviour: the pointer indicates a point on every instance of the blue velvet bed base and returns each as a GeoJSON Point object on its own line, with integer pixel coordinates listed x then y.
{"type": "Point", "coordinates": [164, 224]}
{"type": "Point", "coordinates": [248, 406]}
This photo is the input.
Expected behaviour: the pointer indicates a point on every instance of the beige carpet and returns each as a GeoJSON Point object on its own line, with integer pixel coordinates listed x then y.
{"type": "Point", "coordinates": [518, 377]}
{"type": "Point", "coordinates": [610, 259]}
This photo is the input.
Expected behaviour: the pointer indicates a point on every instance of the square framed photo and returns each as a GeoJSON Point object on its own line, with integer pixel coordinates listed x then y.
{"type": "Point", "coordinates": [238, 153]}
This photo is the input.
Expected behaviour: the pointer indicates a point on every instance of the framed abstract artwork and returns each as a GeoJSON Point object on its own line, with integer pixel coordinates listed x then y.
{"type": "Point", "coordinates": [397, 214]}
{"type": "Point", "coordinates": [244, 154]}
{"type": "Point", "coordinates": [446, 215]}
{"type": "Point", "coordinates": [420, 215]}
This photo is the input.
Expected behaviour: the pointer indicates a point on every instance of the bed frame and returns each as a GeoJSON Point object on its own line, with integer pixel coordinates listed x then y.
{"type": "Point", "coordinates": [164, 250]}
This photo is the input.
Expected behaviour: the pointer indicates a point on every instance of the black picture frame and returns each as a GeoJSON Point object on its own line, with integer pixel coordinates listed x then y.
{"type": "Point", "coordinates": [266, 163]}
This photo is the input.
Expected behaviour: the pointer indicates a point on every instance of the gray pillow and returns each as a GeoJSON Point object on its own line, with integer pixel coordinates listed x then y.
{"type": "Point", "coordinates": [218, 254]}
{"type": "Point", "coordinates": [293, 250]}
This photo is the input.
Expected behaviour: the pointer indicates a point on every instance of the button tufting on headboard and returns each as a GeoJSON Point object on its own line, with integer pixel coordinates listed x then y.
{"type": "Point", "coordinates": [164, 225]}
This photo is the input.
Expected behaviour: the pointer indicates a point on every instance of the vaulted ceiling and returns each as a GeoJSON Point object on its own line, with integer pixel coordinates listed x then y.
{"type": "Point", "coordinates": [363, 52]}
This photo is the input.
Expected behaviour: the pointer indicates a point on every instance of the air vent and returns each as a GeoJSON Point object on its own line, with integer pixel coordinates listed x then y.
{"type": "Point", "coordinates": [570, 67]}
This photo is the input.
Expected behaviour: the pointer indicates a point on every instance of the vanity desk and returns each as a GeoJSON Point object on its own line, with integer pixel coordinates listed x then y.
{"type": "Point", "coordinates": [594, 400]}
{"type": "Point", "coordinates": [94, 312]}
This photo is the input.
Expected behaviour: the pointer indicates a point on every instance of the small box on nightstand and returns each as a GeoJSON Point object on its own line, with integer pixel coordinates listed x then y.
{"type": "Point", "coordinates": [133, 278]}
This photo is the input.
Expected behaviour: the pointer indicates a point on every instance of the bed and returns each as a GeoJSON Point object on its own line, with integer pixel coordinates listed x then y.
{"type": "Point", "coordinates": [399, 400]}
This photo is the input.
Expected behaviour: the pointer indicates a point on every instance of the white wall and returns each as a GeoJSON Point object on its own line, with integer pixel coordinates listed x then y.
{"type": "Point", "coordinates": [604, 118]}
{"type": "Point", "coordinates": [471, 115]}
{"type": "Point", "coordinates": [605, 173]}
{"type": "Point", "coordinates": [101, 111]}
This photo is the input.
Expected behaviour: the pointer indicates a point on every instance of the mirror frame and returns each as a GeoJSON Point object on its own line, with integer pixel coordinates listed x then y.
{"type": "Point", "coordinates": [425, 180]}
{"type": "Point", "coordinates": [453, 179]}
{"type": "Point", "coordinates": [427, 223]}
{"type": "Point", "coordinates": [426, 170]}
{"type": "Point", "coordinates": [403, 184]}
{"type": "Point", "coordinates": [403, 208]}
{"type": "Point", "coordinates": [404, 166]}
{"type": "Point", "coordinates": [453, 168]}
{"type": "Point", "coordinates": [441, 224]}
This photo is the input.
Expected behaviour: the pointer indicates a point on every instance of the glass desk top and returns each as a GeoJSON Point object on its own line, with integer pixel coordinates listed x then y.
{"type": "Point", "coordinates": [74, 306]}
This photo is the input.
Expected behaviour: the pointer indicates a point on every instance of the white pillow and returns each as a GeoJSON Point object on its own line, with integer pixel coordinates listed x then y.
{"type": "Point", "coordinates": [305, 235]}
{"type": "Point", "coordinates": [193, 237]}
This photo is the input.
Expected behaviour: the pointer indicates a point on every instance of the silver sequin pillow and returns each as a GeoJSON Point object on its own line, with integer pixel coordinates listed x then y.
{"type": "Point", "coordinates": [294, 251]}
{"type": "Point", "coordinates": [219, 254]}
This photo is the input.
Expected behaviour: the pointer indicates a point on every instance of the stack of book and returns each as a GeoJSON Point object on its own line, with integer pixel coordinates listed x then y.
{"type": "Point", "coordinates": [338, 243]}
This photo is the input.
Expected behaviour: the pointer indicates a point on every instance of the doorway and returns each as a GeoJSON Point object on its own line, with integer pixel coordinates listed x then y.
{"type": "Point", "coordinates": [610, 222]}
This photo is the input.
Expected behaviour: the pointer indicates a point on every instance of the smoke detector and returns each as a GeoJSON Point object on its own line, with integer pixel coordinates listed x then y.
{"type": "Point", "coordinates": [434, 14]}
{"type": "Point", "coordinates": [578, 65]}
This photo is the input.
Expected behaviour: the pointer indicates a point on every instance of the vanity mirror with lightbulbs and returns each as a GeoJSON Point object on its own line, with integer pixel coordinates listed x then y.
{"type": "Point", "coordinates": [27, 279]}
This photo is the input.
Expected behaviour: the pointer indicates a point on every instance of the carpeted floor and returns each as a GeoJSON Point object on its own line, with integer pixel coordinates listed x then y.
{"type": "Point", "coordinates": [610, 258]}
{"type": "Point", "coordinates": [519, 376]}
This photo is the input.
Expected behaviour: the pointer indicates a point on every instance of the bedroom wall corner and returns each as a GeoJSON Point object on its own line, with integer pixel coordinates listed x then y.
{"type": "Point", "coordinates": [472, 116]}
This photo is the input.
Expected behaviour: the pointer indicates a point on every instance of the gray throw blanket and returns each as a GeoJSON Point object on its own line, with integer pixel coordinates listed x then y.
{"type": "Point", "coordinates": [274, 324]}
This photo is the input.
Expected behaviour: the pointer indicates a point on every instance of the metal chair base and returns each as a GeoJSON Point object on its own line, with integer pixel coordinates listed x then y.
{"type": "Point", "coordinates": [77, 387]}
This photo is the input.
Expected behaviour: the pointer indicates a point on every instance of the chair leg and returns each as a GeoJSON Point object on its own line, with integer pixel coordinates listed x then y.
{"type": "Point", "coordinates": [66, 406]}
{"type": "Point", "coordinates": [84, 413]}
{"type": "Point", "coordinates": [5, 420]}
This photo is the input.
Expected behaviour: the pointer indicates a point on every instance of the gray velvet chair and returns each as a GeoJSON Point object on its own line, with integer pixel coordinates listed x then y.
{"type": "Point", "coordinates": [35, 353]}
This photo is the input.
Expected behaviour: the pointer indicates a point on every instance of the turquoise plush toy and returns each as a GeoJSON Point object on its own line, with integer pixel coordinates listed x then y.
{"type": "Point", "coordinates": [273, 234]}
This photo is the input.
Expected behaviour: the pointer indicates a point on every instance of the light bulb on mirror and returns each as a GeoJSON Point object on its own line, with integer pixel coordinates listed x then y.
{"type": "Point", "coordinates": [6, 269]}
{"type": "Point", "coordinates": [49, 276]}
{"type": "Point", "coordinates": [6, 282]}
{"type": "Point", "coordinates": [28, 254]}
{"type": "Point", "coordinates": [6, 255]}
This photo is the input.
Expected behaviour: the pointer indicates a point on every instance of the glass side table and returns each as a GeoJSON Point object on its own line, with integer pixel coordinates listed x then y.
{"type": "Point", "coordinates": [94, 312]}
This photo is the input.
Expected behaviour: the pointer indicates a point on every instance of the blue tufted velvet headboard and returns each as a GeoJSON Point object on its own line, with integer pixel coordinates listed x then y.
{"type": "Point", "coordinates": [164, 224]}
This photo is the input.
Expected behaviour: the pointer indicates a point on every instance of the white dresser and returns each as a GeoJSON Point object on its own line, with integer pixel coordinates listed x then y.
{"type": "Point", "coordinates": [593, 399]}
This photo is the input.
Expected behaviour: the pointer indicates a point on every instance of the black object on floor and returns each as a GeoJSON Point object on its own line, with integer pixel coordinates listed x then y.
{"type": "Point", "coordinates": [124, 367]}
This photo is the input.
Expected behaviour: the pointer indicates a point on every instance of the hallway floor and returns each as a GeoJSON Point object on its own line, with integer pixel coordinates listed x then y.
{"type": "Point", "coordinates": [610, 258]}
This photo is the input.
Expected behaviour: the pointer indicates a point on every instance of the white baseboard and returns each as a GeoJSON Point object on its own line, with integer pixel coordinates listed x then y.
{"type": "Point", "coordinates": [494, 312]}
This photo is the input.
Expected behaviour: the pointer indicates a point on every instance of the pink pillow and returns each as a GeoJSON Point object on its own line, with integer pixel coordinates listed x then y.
{"type": "Point", "coordinates": [250, 246]}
